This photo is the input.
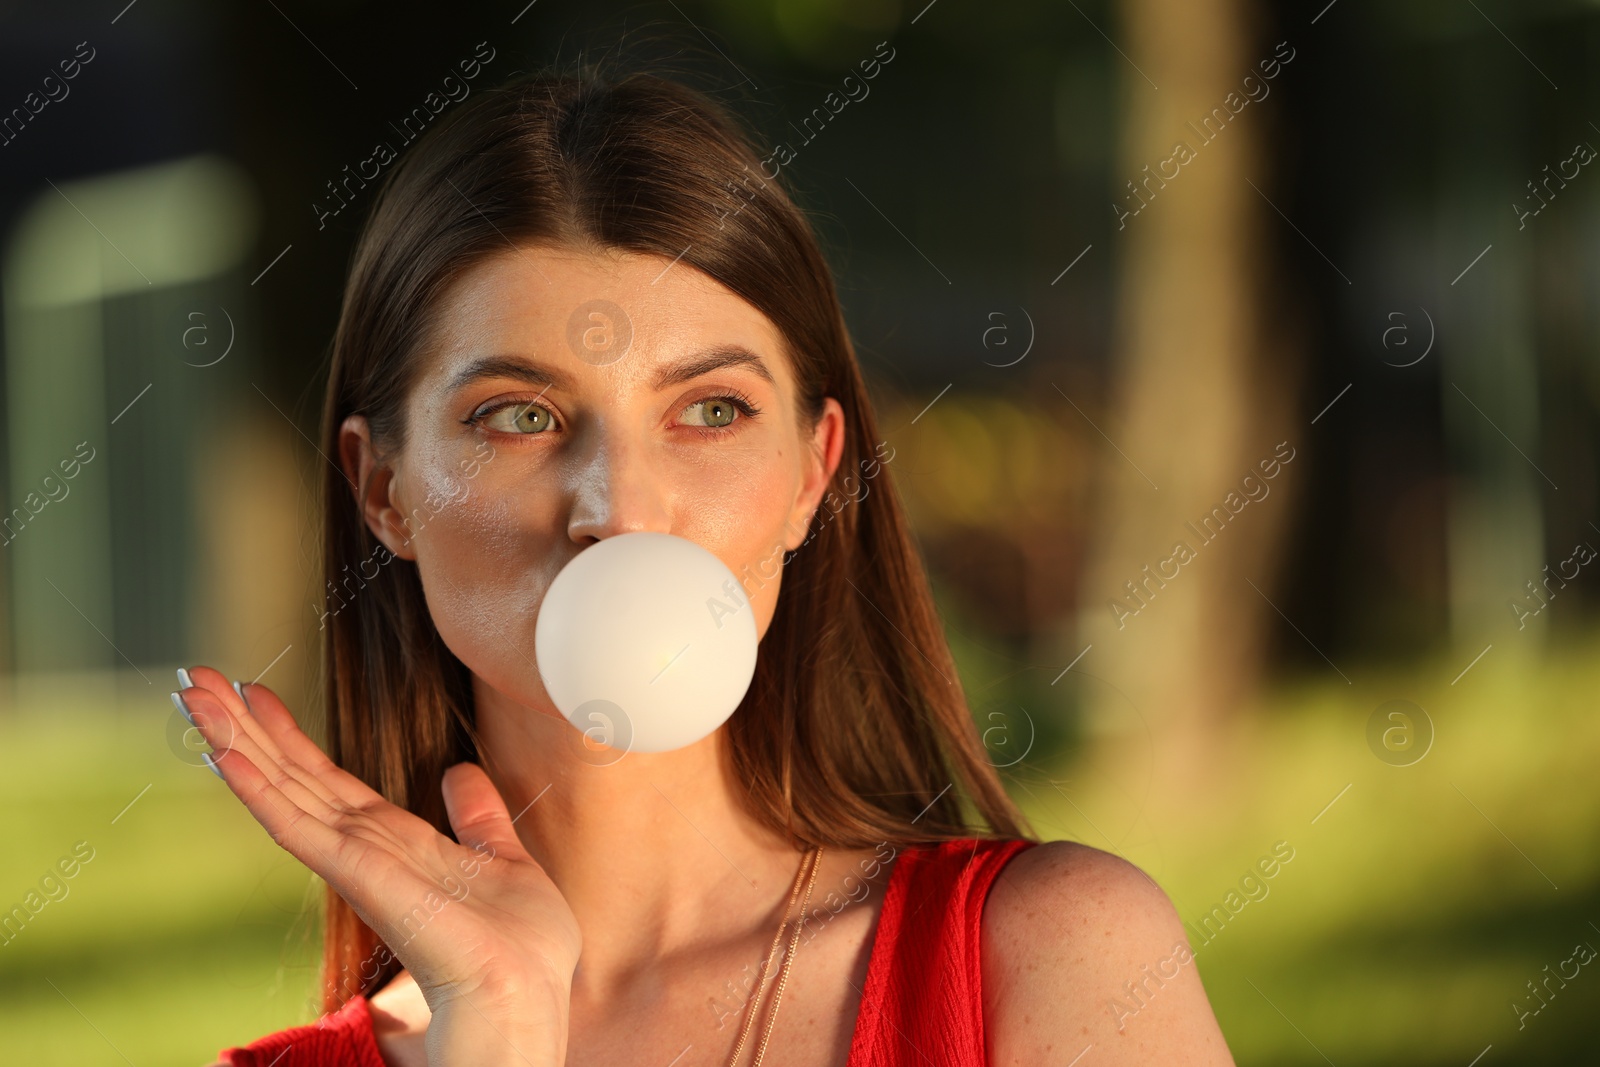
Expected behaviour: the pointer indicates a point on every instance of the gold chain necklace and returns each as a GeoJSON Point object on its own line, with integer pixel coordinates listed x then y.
{"type": "Point", "coordinates": [815, 856]}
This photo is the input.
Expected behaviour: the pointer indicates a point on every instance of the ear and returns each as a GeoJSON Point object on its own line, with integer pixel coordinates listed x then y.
{"type": "Point", "coordinates": [822, 459]}
{"type": "Point", "coordinates": [375, 487]}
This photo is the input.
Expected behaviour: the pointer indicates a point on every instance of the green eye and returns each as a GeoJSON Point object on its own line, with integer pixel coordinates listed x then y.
{"type": "Point", "coordinates": [514, 418]}
{"type": "Point", "coordinates": [715, 412]}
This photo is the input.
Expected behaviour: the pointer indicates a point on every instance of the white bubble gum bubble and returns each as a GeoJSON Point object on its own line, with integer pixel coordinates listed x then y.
{"type": "Point", "coordinates": [654, 624]}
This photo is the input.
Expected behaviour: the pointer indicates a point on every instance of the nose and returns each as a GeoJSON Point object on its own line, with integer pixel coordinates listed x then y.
{"type": "Point", "coordinates": [617, 489]}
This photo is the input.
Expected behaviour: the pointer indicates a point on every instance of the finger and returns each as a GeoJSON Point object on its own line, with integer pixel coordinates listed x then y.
{"type": "Point", "coordinates": [278, 721]}
{"type": "Point", "coordinates": [215, 684]}
{"type": "Point", "coordinates": [477, 812]}
{"type": "Point", "coordinates": [297, 831]}
{"type": "Point", "coordinates": [216, 723]}
{"type": "Point", "coordinates": [280, 725]}
{"type": "Point", "coordinates": [332, 789]}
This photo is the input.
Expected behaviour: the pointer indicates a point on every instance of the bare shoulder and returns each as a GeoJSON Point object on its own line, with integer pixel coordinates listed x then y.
{"type": "Point", "coordinates": [400, 1019]}
{"type": "Point", "coordinates": [1081, 948]}
{"type": "Point", "coordinates": [399, 1005]}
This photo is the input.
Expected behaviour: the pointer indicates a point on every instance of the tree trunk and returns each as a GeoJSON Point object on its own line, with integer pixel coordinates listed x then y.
{"type": "Point", "coordinates": [1204, 378]}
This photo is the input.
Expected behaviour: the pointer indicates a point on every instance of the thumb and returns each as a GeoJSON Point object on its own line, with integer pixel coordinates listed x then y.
{"type": "Point", "coordinates": [477, 812]}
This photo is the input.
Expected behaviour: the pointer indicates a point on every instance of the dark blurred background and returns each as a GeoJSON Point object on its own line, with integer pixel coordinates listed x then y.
{"type": "Point", "coordinates": [1240, 362]}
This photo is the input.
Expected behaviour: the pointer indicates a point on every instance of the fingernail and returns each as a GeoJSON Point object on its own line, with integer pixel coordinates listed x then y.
{"type": "Point", "coordinates": [206, 756]}
{"type": "Point", "coordinates": [184, 681]}
{"type": "Point", "coordinates": [177, 702]}
{"type": "Point", "coordinates": [237, 688]}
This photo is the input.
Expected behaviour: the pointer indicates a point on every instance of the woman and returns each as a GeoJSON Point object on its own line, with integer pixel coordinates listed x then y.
{"type": "Point", "coordinates": [582, 308]}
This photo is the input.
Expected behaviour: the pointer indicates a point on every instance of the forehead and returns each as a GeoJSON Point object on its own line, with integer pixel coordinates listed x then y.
{"type": "Point", "coordinates": [548, 301]}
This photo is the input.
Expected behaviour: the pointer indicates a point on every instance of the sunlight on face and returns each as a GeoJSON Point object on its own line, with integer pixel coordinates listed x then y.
{"type": "Point", "coordinates": [543, 439]}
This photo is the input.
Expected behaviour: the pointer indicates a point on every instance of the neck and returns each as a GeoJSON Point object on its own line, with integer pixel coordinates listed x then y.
{"type": "Point", "coordinates": [660, 838]}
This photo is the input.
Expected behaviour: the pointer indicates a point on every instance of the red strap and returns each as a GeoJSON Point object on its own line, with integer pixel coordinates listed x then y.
{"type": "Point", "coordinates": [923, 1003]}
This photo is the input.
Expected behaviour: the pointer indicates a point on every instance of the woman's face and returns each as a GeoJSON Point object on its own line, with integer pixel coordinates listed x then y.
{"type": "Point", "coordinates": [569, 396]}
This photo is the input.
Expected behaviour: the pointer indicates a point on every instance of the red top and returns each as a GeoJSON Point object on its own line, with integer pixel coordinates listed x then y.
{"type": "Point", "coordinates": [922, 1002]}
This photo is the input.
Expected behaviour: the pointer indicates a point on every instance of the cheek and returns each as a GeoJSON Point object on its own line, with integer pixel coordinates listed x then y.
{"type": "Point", "coordinates": [484, 553]}
{"type": "Point", "coordinates": [741, 520]}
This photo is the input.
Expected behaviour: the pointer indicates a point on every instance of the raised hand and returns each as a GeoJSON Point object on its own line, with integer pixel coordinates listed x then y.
{"type": "Point", "coordinates": [477, 922]}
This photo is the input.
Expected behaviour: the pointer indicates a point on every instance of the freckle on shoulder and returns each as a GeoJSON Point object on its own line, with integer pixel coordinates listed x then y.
{"type": "Point", "coordinates": [1087, 869]}
{"type": "Point", "coordinates": [1071, 883]}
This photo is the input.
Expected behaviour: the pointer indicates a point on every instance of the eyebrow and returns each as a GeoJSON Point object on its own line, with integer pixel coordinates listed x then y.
{"type": "Point", "coordinates": [533, 372]}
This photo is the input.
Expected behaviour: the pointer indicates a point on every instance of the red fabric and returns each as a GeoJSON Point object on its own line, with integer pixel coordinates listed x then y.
{"type": "Point", "coordinates": [340, 1039]}
{"type": "Point", "coordinates": [922, 1002]}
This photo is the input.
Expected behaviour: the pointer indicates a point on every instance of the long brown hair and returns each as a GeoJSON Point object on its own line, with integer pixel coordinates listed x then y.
{"type": "Point", "coordinates": [855, 730]}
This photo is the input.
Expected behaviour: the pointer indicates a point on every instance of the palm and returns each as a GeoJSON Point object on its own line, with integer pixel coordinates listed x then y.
{"type": "Point", "coordinates": [456, 914]}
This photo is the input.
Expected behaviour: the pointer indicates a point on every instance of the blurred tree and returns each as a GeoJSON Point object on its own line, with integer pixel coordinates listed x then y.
{"type": "Point", "coordinates": [1202, 391]}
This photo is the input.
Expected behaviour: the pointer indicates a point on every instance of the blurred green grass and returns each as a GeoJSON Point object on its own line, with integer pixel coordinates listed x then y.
{"type": "Point", "coordinates": [1400, 933]}
{"type": "Point", "coordinates": [1414, 910]}
{"type": "Point", "coordinates": [187, 931]}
